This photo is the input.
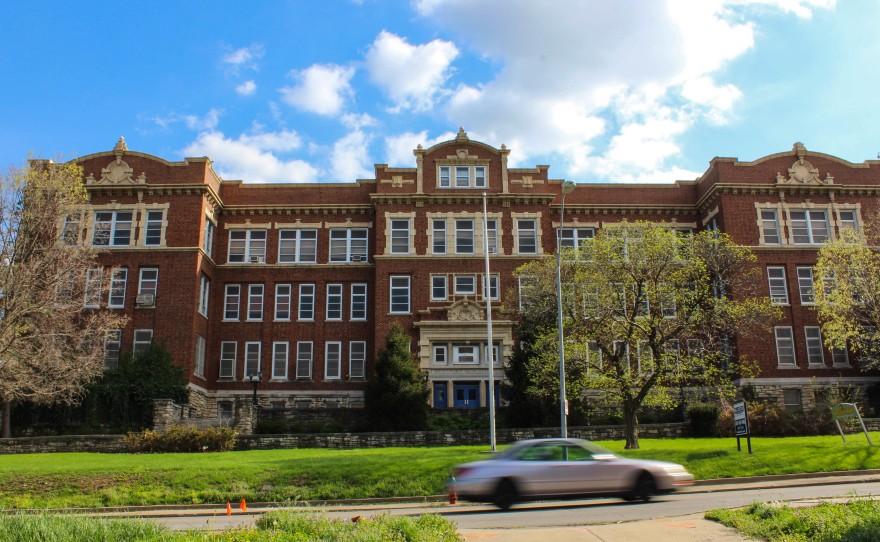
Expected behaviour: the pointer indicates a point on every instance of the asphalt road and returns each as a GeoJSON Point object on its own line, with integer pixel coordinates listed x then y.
{"type": "Point", "coordinates": [565, 513]}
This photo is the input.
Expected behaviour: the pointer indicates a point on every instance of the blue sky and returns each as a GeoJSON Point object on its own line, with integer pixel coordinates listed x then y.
{"type": "Point", "coordinates": [319, 91]}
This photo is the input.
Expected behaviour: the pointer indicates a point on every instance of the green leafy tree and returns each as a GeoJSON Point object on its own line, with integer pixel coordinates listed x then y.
{"type": "Point", "coordinates": [847, 292]}
{"type": "Point", "coordinates": [396, 398]}
{"type": "Point", "coordinates": [126, 393]}
{"type": "Point", "coordinates": [647, 311]}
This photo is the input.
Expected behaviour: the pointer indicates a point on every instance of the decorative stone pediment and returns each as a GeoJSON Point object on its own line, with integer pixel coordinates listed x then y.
{"type": "Point", "coordinates": [464, 311]}
{"type": "Point", "coordinates": [397, 181]}
{"type": "Point", "coordinates": [803, 172]}
{"type": "Point", "coordinates": [118, 171]}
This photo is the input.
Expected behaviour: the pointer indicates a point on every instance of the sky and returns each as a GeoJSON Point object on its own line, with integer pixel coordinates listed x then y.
{"type": "Point", "coordinates": [621, 91]}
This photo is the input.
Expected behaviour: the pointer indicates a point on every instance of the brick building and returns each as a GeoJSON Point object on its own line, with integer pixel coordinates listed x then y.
{"type": "Point", "coordinates": [301, 282]}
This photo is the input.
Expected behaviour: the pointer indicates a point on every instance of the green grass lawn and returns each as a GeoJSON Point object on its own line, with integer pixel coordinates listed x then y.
{"type": "Point", "coordinates": [80, 479]}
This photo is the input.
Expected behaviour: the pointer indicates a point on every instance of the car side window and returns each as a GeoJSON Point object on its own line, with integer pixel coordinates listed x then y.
{"type": "Point", "coordinates": [576, 453]}
{"type": "Point", "coordinates": [548, 452]}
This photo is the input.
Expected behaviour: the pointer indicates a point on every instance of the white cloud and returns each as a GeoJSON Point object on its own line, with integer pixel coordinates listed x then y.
{"type": "Point", "coordinates": [412, 75]}
{"type": "Point", "coordinates": [399, 148]}
{"type": "Point", "coordinates": [350, 160]}
{"type": "Point", "coordinates": [321, 89]}
{"type": "Point", "coordinates": [245, 57]}
{"type": "Point", "coordinates": [252, 158]}
{"type": "Point", "coordinates": [605, 89]}
{"type": "Point", "coordinates": [247, 88]}
{"type": "Point", "coordinates": [208, 122]}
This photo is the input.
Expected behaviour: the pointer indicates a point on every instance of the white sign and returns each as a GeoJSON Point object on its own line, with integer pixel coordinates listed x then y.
{"type": "Point", "coordinates": [740, 419]}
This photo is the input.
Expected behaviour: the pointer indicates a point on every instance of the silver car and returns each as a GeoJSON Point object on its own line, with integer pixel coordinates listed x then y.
{"type": "Point", "coordinates": [559, 469]}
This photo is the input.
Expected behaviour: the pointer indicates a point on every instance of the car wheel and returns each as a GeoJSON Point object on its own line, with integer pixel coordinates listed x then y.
{"type": "Point", "coordinates": [644, 488]}
{"type": "Point", "coordinates": [505, 494]}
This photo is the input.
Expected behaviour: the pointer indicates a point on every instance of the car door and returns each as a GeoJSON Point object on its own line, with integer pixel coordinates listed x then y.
{"type": "Point", "coordinates": [585, 474]}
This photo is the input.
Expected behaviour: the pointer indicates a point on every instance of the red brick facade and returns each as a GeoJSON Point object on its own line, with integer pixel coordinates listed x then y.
{"type": "Point", "coordinates": [416, 257]}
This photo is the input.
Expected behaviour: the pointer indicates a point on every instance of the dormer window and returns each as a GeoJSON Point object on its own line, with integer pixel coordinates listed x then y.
{"type": "Point", "coordinates": [462, 177]}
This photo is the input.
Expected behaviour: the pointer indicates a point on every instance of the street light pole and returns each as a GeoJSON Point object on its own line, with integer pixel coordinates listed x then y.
{"type": "Point", "coordinates": [490, 348]}
{"type": "Point", "coordinates": [567, 187]}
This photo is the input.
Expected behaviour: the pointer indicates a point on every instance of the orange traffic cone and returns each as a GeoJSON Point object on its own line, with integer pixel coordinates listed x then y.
{"type": "Point", "coordinates": [228, 509]}
{"type": "Point", "coordinates": [243, 506]}
{"type": "Point", "coordinates": [355, 519]}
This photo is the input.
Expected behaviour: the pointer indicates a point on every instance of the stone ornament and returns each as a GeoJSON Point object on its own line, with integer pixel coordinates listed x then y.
{"type": "Point", "coordinates": [465, 311]}
{"type": "Point", "coordinates": [118, 171]}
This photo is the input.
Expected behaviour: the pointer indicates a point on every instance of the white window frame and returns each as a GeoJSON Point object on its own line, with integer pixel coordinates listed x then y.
{"type": "Point", "coordinates": [439, 354]}
{"type": "Point", "coordinates": [297, 246]}
{"type": "Point", "coordinates": [358, 311]}
{"type": "Point", "coordinates": [528, 234]}
{"type": "Point", "coordinates": [306, 303]}
{"type": "Point", "coordinates": [439, 289]}
{"type": "Point", "coordinates": [112, 227]}
{"type": "Point", "coordinates": [777, 288]}
{"type": "Point", "coordinates": [357, 360]}
{"type": "Point", "coordinates": [350, 240]}
{"type": "Point", "coordinates": [459, 176]}
{"type": "Point", "coordinates": [806, 285]}
{"type": "Point", "coordinates": [465, 354]}
{"type": "Point", "coordinates": [152, 225]}
{"type": "Point", "coordinates": [249, 243]}
{"type": "Point", "coordinates": [461, 236]}
{"type": "Point", "coordinates": [208, 240]}
{"type": "Point", "coordinates": [334, 303]}
{"type": "Point", "coordinates": [784, 336]}
{"type": "Point", "coordinates": [305, 351]}
{"type": "Point", "coordinates": [118, 283]}
{"type": "Point", "coordinates": [494, 289]}
{"type": "Point", "coordinates": [92, 295]}
{"type": "Point", "coordinates": [256, 295]}
{"type": "Point", "coordinates": [70, 230]}
{"type": "Point", "coordinates": [768, 223]}
{"type": "Point", "coordinates": [283, 302]}
{"type": "Point", "coordinates": [575, 237]}
{"type": "Point", "coordinates": [252, 358]}
{"type": "Point", "coordinates": [808, 226]}
{"type": "Point", "coordinates": [399, 236]}
{"type": "Point", "coordinates": [813, 340]}
{"type": "Point", "coordinates": [232, 302]}
{"type": "Point", "coordinates": [147, 285]}
{"type": "Point", "coordinates": [333, 356]}
{"type": "Point", "coordinates": [140, 343]}
{"type": "Point", "coordinates": [204, 295]}
{"type": "Point", "coordinates": [492, 235]}
{"type": "Point", "coordinates": [199, 366]}
{"type": "Point", "coordinates": [840, 357]}
{"type": "Point", "coordinates": [228, 355]}
{"type": "Point", "coordinates": [112, 347]}
{"type": "Point", "coordinates": [280, 353]}
{"type": "Point", "coordinates": [438, 236]}
{"type": "Point", "coordinates": [464, 284]}
{"type": "Point", "coordinates": [399, 285]}
{"type": "Point", "coordinates": [847, 223]}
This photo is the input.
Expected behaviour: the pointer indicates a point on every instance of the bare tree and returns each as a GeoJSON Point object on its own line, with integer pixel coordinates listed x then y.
{"type": "Point", "coordinates": [51, 346]}
{"type": "Point", "coordinates": [647, 311]}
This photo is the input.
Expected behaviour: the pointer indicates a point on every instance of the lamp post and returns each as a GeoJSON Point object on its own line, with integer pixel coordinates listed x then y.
{"type": "Point", "coordinates": [567, 187]}
{"type": "Point", "coordinates": [255, 379]}
{"type": "Point", "coordinates": [490, 348]}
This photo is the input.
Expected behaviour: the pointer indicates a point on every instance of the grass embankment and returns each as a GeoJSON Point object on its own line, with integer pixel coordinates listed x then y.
{"type": "Point", "coordinates": [77, 479]}
{"type": "Point", "coordinates": [855, 521]}
{"type": "Point", "coordinates": [274, 526]}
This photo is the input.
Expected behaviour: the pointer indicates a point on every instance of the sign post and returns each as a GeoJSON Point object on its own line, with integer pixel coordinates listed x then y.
{"type": "Point", "coordinates": [741, 425]}
{"type": "Point", "coordinates": [848, 410]}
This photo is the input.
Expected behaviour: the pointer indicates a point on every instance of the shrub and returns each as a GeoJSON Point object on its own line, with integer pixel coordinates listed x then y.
{"type": "Point", "coordinates": [767, 419]}
{"type": "Point", "coordinates": [182, 439]}
{"type": "Point", "coordinates": [272, 427]}
{"type": "Point", "coordinates": [703, 418]}
{"type": "Point", "coordinates": [455, 422]}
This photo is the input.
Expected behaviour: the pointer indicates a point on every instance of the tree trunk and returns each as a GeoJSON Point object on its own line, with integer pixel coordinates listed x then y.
{"type": "Point", "coordinates": [7, 416]}
{"type": "Point", "coordinates": [631, 425]}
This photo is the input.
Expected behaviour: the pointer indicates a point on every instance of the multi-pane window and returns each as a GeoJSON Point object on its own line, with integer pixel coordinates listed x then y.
{"type": "Point", "coordinates": [232, 302]}
{"type": "Point", "coordinates": [332, 360]}
{"type": "Point", "coordinates": [304, 351]}
{"type": "Point", "coordinates": [527, 288]}
{"type": "Point", "coordinates": [840, 357]}
{"type": "Point", "coordinates": [306, 309]}
{"type": "Point", "coordinates": [348, 245]}
{"type": "Point", "coordinates": [118, 280]}
{"type": "Point", "coordinates": [94, 278]}
{"type": "Point", "coordinates": [465, 354]}
{"type": "Point", "coordinates": [70, 230]}
{"type": "Point", "coordinates": [359, 301]}
{"type": "Point", "coordinates": [279, 360]}
{"type": "Point", "coordinates": [439, 354]}
{"type": "Point", "coordinates": [149, 281]}
{"type": "Point", "coordinates": [492, 235]}
{"type": "Point", "coordinates": [112, 228]}
{"type": "Point", "coordinates": [143, 338]}
{"type": "Point", "coordinates": [399, 302]}
{"type": "Point", "coordinates": [247, 246]}
{"type": "Point", "coordinates": [400, 236]}
{"type": "Point", "coordinates": [357, 359]}
{"type": "Point", "coordinates": [848, 221]}
{"type": "Point", "coordinates": [785, 346]}
{"type": "Point", "coordinates": [464, 236]}
{"type": "Point", "coordinates": [334, 302]}
{"type": "Point", "coordinates": [112, 343]}
{"type": "Point", "coordinates": [805, 285]}
{"type": "Point", "coordinates": [464, 177]}
{"type": "Point", "coordinates": [776, 281]}
{"type": "Point", "coordinates": [255, 302]}
{"type": "Point", "coordinates": [809, 227]}
{"type": "Point", "coordinates": [770, 226]}
{"type": "Point", "coordinates": [283, 295]}
{"type": "Point", "coordinates": [575, 237]}
{"type": "Point", "coordinates": [438, 236]}
{"type": "Point", "coordinates": [792, 400]}
{"type": "Point", "coordinates": [208, 238]}
{"type": "Point", "coordinates": [493, 287]}
{"type": "Point", "coordinates": [527, 235]}
{"type": "Point", "coordinates": [594, 356]}
{"type": "Point", "coordinates": [465, 284]}
{"type": "Point", "coordinates": [438, 287]}
{"type": "Point", "coordinates": [204, 295]}
{"type": "Point", "coordinates": [228, 352]}
{"type": "Point", "coordinates": [199, 368]}
{"type": "Point", "coordinates": [153, 235]}
{"type": "Point", "coordinates": [813, 335]}
{"type": "Point", "coordinates": [251, 358]}
{"type": "Point", "coordinates": [298, 246]}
